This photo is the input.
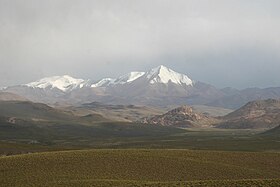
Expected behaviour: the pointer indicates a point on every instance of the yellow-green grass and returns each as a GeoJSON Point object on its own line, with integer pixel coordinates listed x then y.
{"type": "Point", "coordinates": [140, 167]}
{"type": "Point", "coordinates": [13, 148]}
{"type": "Point", "coordinates": [209, 183]}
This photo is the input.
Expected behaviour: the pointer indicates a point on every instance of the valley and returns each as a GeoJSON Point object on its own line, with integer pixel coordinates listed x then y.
{"type": "Point", "coordinates": [97, 125]}
{"type": "Point", "coordinates": [154, 93]}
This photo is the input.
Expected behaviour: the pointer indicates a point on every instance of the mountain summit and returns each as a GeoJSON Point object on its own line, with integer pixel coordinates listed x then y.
{"type": "Point", "coordinates": [160, 74]}
{"type": "Point", "coordinates": [64, 83]}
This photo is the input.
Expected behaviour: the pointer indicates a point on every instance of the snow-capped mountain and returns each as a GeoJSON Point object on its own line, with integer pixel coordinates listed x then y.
{"type": "Point", "coordinates": [158, 86]}
{"type": "Point", "coordinates": [160, 74]}
{"type": "Point", "coordinates": [103, 82]}
{"type": "Point", "coordinates": [130, 77]}
{"type": "Point", "coordinates": [124, 79]}
{"type": "Point", "coordinates": [64, 83]}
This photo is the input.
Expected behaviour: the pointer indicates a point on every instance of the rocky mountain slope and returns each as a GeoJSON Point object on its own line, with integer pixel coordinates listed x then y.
{"type": "Point", "coordinates": [183, 116]}
{"type": "Point", "coordinates": [255, 114]}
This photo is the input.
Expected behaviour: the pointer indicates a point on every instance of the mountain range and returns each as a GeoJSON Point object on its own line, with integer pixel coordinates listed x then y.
{"type": "Point", "coordinates": [259, 114]}
{"type": "Point", "coordinates": [159, 86]}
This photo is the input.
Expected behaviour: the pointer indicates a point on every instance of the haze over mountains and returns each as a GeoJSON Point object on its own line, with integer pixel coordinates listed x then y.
{"type": "Point", "coordinates": [159, 86]}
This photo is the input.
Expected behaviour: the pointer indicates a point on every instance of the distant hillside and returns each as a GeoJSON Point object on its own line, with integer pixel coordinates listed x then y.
{"type": "Point", "coordinates": [255, 114]}
{"type": "Point", "coordinates": [38, 112]}
{"type": "Point", "coordinates": [275, 132]}
{"type": "Point", "coordinates": [126, 113]}
{"type": "Point", "coordinates": [211, 111]}
{"type": "Point", "coordinates": [235, 99]}
{"type": "Point", "coordinates": [181, 117]}
{"type": "Point", "coordinates": [6, 96]}
{"type": "Point", "coordinates": [28, 110]}
{"type": "Point", "coordinates": [35, 122]}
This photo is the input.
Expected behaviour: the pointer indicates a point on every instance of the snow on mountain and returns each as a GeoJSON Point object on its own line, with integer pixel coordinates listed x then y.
{"type": "Point", "coordinates": [162, 74]}
{"type": "Point", "coordinates": [158, 86]}
{"type": "Point", "coordinates": [64, 83]}
{"type": "Point", "coordinates": [103, 82]}
{"type": "Point", "coordinates": [130, 77]}
{"type": "Point", "coordinates": [124, 79]}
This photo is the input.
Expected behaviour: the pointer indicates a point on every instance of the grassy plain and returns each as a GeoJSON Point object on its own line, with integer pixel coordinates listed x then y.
{"type": "Point", "coordinates": [140, 167]}
{"type": "Point", "coordinates": [127, 136]}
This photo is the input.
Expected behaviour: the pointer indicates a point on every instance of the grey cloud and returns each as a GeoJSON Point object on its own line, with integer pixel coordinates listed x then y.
{"type": "Point", "coordinates": [226, 43]}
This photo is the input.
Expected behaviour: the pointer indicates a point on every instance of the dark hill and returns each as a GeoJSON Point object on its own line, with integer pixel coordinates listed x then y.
{"type": "Point", "coordinates": [275, 132]}
{"type": "Point", "coordinates": [30, 110]}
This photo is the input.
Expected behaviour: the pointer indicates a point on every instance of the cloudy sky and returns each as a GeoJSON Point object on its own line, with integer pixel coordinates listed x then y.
{"type": "Point", "coordinates": [223, 42]}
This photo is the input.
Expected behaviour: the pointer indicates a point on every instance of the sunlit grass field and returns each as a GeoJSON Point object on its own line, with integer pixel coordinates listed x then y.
{"type": "Point", "coordinates": [140, 167]}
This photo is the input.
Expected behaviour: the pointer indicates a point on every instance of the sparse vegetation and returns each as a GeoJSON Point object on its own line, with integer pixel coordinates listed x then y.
{"type": "Point", "coordinates": [129, 154]}
{"type": "Point", "coordinates": [140, 168]}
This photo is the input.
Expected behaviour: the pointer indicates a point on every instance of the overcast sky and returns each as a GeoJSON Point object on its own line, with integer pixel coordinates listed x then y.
{"type": "Point", "coordinates": [232, 43]}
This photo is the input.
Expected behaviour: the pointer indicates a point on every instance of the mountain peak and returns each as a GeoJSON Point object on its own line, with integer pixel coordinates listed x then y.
{"type": "Point", "coordinates": [63, 83]}
{"type": "Point", "coordinates": [161, 68]}
{"type": "Point", "coordinates": [162, 74]}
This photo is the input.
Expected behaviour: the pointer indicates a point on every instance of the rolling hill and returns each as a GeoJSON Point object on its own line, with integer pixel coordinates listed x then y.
{"type": "Point", "coordinates": [183, 116]}
{"type": "Point", "coordinates": [6, 96]}
{"type": "Point", "coordinates": [30, 110]}
{"type": "Point", "coordinates": [275, 132]}
{"type": "Point", "coordinates": [128, 113]}
{"type": "Point", "coordinates": [26, 121]}
{"type": "Point", "coordinates": [255, 114]}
